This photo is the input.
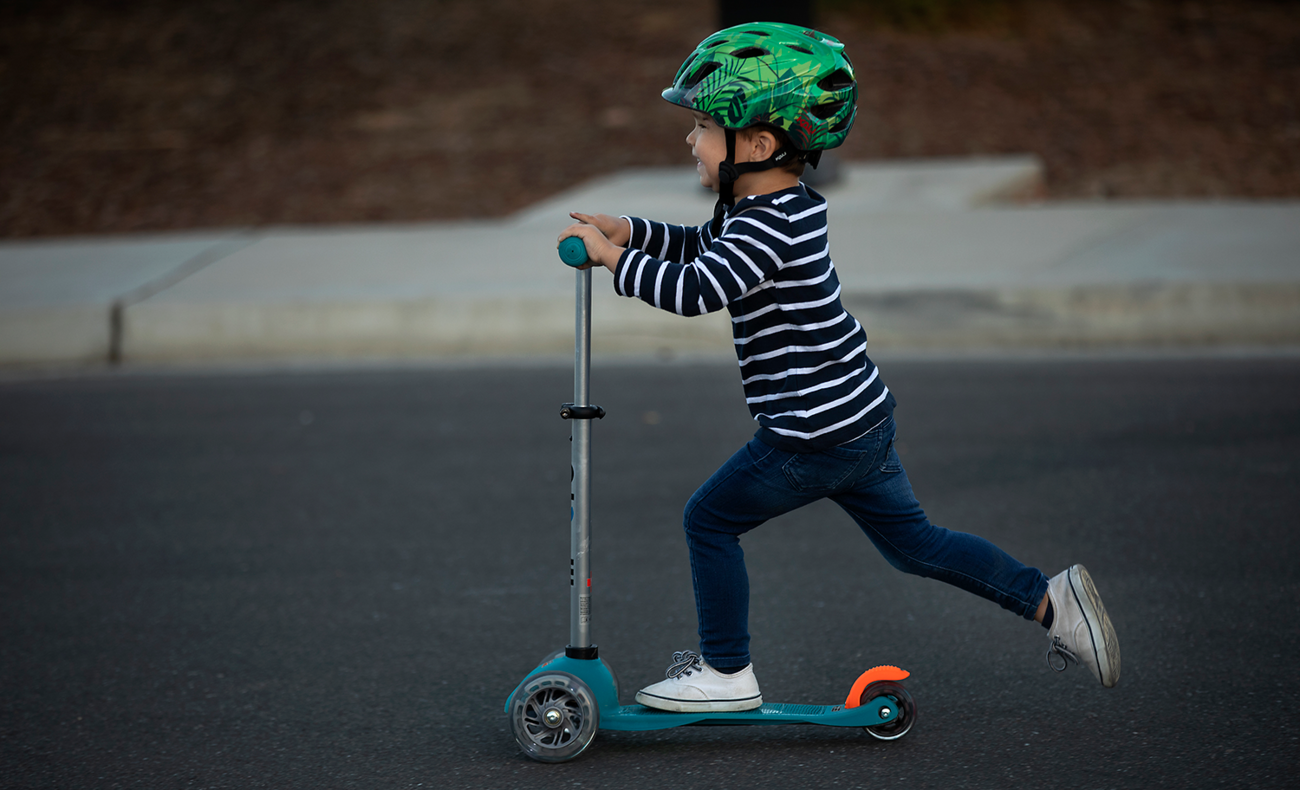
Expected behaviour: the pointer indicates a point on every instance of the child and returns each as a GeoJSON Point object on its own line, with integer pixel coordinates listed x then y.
{"type": "Point", "coordinates": [766, 100]}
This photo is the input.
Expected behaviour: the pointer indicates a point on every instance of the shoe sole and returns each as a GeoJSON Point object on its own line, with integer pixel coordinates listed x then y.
{"type": "Point", "coordinates": [1094, 614]}
{"type": "Point", "coordinates": [703, 706]}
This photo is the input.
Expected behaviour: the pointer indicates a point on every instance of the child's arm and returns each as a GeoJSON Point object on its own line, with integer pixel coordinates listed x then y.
{"type": "Point", "coordinates": [747, 254]}
{"type": "Point", "coordinates": [673, 243]}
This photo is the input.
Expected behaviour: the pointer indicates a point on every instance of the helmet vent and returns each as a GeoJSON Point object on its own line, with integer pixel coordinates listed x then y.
{"type": "Point", "coordinates": [717, 43]}
{"type": "Point", "coordinates": [842, 125]}
{"type": "Point", "coordinates": [758, 32]}
{"type": "Point", "coordinates": [750, 52]}
{"type": "Point", "coordinates": [837, 80]}
{"type": "Point", "coordinates": [700, 74]}
{"type": "Point", "coordinates": [798, 48]}
{"type": "Point", "coordinates": [825, 111]}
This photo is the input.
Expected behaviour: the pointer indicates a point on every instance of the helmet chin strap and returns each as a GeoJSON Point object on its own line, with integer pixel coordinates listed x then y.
{"type": "Point", "coordinates": [729, 172]}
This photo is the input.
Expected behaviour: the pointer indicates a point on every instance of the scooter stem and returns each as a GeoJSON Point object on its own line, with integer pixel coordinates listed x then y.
{"type": "Point", "coordinates": [580, 541]}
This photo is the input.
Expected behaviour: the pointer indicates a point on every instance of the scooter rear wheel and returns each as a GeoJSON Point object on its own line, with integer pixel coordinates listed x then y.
{"type": "Point", "coordinates": [899, 726]}
{"type": "Point", "coordinates": [554, 717]}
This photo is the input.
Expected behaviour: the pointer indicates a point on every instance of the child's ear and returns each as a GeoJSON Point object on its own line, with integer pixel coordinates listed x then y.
{"type": "Point", "coordinates": [763, 144]}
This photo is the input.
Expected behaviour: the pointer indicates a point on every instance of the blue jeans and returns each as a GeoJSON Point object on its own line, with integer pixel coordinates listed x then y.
{"type": "Point", "coordinates": [865, 478]}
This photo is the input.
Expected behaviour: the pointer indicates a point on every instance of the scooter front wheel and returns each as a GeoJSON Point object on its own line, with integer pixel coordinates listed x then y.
{"type": "Point", "coordinates": [902, 702]}
{"type": "Point", "coordinates": [554, 717]}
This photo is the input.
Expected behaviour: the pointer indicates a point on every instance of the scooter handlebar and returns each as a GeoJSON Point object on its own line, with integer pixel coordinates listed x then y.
{"type": "Point", "coordinates": [573, 251]}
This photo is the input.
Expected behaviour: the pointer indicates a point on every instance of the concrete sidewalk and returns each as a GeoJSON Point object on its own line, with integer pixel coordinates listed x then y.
{"type": "Point", "coordinates": [930, 254]}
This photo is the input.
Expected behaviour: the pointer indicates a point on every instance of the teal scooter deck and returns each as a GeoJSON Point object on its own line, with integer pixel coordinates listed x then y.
{"type": "Point", "coordinates": [638, 718]}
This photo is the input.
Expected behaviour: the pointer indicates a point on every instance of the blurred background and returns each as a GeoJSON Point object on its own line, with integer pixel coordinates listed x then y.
{"type": "Point", "coordinates": [175, 114]}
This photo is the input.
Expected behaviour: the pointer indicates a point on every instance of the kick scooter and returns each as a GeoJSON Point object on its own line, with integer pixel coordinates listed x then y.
{"type": "Point", "coordinates": [557, 709]}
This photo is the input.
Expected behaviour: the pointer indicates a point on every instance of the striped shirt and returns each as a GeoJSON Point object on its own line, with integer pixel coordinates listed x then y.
{"type": "Point", "coordinates": [803, 358]}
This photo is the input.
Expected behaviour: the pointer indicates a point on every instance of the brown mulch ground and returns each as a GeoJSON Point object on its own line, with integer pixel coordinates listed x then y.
{"type": "Point", "coordinates": [130, 116]}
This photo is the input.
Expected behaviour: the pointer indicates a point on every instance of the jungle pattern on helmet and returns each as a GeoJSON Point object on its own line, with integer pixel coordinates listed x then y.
{"type": "Point", "coordinates": [796, 79]}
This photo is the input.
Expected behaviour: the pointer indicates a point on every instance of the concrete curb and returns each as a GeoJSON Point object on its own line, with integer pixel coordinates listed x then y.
{"type": "Point", "coordinates": [1099, 317]}
{"type": "Point", "coordinates": [62, 300]}
{"type": "Point", "coordinates": [501, 327]}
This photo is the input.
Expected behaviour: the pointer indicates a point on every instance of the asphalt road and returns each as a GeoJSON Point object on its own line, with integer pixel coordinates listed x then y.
{"type": "Point", "coordinates": [334, 579]}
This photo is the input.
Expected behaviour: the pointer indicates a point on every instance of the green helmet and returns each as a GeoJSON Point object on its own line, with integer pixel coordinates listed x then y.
{"type": "Point", "coordinates": [790, 77]}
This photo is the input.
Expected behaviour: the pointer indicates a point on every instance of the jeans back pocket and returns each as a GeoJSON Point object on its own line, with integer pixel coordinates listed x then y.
{"type": "Point", "coordinates": [829, 470]}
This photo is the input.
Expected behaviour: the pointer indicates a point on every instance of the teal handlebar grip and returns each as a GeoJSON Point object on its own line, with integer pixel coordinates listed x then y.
{"type": "Point", "coordinates": [573, 251]}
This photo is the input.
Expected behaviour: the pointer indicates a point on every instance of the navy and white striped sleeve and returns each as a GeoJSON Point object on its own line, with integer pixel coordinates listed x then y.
{"type": "Point", "coordinates": [746, 254]}
{"type": "Point", "coordinates": [672, 243]}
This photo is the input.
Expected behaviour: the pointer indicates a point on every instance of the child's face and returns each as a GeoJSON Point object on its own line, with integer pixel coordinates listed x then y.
{"type": "Point", "coordinates": [708, 143]}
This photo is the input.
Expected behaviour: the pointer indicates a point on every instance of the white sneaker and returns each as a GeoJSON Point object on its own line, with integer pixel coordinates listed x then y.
{"type": "Point", "coordinates": [1081, 631]}
{"type": "Point", "coordinates": [695, 687]}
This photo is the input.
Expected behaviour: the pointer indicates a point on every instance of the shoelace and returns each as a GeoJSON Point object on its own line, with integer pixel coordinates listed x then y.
{"type": "Point", "coordinates": [684, 663]}
{"type": "Point", "coordinates": [1058, 648]}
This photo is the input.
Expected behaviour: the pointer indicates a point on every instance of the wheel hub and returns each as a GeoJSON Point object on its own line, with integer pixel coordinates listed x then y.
{"type": "Point", "coordinates": [553, 718]}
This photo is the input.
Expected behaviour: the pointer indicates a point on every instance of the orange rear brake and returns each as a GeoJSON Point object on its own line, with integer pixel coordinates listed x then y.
{"type": "Point", "coordinates": [872, 675]}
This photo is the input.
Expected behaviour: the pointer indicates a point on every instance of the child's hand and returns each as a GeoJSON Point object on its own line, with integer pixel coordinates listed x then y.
{"type": "Point", "coordinates": [616, 229]}
{"type": "Point", "coordinates": [600, 250]}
